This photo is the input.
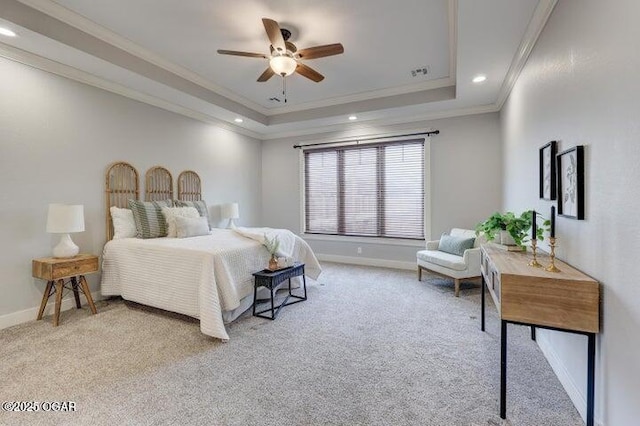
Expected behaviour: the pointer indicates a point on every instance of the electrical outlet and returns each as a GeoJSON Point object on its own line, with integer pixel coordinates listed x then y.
{"type": "Point", "coordinates": [359, 250]}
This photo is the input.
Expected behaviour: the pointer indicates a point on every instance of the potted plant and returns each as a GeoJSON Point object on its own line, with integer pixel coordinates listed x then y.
{"type": "Point", "coordinates": [272, 245]}
{"type": "Point", "coordinates": [508, 224]}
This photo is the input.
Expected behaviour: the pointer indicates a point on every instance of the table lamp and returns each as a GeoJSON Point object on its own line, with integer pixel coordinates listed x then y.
{"type": "Point", "coordinates": [64, 219]}
{"type": "Point", "coordinates": [230, 211]}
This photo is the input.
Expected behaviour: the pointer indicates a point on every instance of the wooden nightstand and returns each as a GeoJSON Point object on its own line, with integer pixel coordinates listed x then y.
{"type": "Point", "coordinates": [55, 270]}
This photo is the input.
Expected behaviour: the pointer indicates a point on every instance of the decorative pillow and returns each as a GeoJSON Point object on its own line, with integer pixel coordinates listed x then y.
{"type": "Point", "coordinates": [170, 214]}
{"type": "Point", "coordinates": [455, 245]}
{"type": "Point", "coordinates": [191, 227]}
{"type": "Point", "coordinates": [123, 224]}
{"type": "Point", "coordinates": [150, 222]}
{"type": "Point", "coordinates": [201, 206]}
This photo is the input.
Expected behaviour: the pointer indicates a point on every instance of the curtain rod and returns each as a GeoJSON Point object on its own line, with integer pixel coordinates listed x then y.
{"type": "Point", "coordinates": [433, 132]}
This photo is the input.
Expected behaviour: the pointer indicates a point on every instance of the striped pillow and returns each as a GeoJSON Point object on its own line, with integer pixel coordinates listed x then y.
{"type": "Point", "coordinates": [201, 206]}
{"type": "Point", "coordinates": [150, 222]}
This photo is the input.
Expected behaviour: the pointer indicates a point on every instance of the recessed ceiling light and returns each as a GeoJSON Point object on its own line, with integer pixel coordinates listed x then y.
{"type": "Point", "coordinates": [479, 78]}
{"type": "Point", "coordinates": [238, 120]}
{"type": "Point", "coordinates": [7, 32]}
{"type": "Point", "coordinates": [353, 117]}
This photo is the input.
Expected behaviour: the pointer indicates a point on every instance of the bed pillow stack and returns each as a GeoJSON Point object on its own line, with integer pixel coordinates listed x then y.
{"type": "Point", "coordinates": [172, 213]}
{"type": "Point", "coordinates": [200, 205]}
{"type": "Point", "coordinates": [150, 222]}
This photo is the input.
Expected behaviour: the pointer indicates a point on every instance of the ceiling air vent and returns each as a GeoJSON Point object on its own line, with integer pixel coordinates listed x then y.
{"type": "Point", "coordinates": [422, 71]}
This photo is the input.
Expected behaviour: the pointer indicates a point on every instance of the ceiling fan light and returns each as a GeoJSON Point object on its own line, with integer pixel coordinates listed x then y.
{"type": "Point", "coordinates": [283, 65]}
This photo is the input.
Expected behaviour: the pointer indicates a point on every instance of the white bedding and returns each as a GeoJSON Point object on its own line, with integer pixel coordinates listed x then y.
{"type": "Point", "coordinates": [199, 276]}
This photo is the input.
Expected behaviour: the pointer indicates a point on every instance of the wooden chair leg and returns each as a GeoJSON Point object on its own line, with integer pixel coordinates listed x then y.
{"type": "Point", "coordinates": [456, 284]}
{"type": "Point", "coordinates": [419, 273]}
{"type": "Point", "coordinates": [45, 298]}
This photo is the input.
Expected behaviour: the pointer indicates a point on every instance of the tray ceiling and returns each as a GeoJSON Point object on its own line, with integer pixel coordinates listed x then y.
{"type": "Point", "coordinates": [164, 52]}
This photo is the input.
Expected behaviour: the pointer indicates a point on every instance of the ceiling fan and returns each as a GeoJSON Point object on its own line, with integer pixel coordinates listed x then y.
{"type": "Point", "coordinates": [285, 58]}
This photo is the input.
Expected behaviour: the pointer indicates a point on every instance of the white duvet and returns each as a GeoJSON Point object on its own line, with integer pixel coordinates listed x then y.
{"type": "Point", "coordinates": [199, 276]}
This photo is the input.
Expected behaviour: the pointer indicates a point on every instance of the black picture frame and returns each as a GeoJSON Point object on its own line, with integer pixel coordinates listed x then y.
{"type": "Point", "coordinates": [570, 172]}
{"type": "Point", "coordinates": [547, 159]}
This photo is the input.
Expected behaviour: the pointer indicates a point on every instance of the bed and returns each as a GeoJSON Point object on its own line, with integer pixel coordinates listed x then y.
{"type": "Point", "coordinates": [206, 277]}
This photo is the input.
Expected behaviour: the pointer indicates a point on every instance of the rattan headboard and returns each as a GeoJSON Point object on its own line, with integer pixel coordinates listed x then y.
{"type": "Point", "coordinates": [121, 184]}
{"type": "Point", "coordinates": [158, 184]}
{"type": "Point", "coordinates": [189, 188]}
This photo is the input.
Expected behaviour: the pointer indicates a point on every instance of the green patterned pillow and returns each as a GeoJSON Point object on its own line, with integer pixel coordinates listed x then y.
{"type": "Point", "coordinates": [150, 222]}
{"type": "Point", "coordinates": [201, 206]}
{"type": "Point", "coordinates": [455, 245]}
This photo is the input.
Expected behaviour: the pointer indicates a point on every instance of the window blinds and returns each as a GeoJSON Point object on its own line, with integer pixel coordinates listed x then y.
{"type": "Point", "coordinates": [368, 190]}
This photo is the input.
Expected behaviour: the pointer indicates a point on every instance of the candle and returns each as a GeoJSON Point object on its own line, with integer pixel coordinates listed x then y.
{"type": "Point", "coordinates": [533, 225]}
{"type": "Point", "coordinates": [552, 233]}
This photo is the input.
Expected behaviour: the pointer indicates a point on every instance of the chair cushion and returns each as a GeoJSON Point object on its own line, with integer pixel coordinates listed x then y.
{"type": "Point", "coordinates": [454, 244]}
{"type": "Point", "coordinates": [443, 259]}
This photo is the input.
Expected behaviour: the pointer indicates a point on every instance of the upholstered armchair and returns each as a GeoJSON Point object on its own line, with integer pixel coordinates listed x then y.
{"type": "Point", "coordinates": [456, 255]}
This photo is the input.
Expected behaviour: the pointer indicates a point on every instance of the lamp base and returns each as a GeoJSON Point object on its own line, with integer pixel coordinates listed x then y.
{"type": "Point", "coordinates": [66, 247]}
{"type": "Point", "coordinates": [231, 224]}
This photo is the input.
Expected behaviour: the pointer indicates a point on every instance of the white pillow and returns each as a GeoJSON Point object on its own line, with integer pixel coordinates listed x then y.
{"type": "Point", "coordinates": [170, 214]}
{"type": "Point", "coordinates": [191, 227]}
{"type": "Point", "coordinates": [123, 224]}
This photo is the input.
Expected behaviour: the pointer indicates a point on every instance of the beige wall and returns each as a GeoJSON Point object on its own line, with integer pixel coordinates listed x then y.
{"type": "Point", "coordinates": [465, 188]}
{"type": "Point", "coordinates": [57, 138]}
{"type": "Point", "coordinates": [580, 86]}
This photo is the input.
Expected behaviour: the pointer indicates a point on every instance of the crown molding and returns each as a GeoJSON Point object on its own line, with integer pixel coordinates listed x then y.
{"type": "Point", "coordinates": [429, 116]}
{"type": "Point", "coordinates": [534, 29]}
{"type": "Point", "coordinates": [364, 96]}
{"type": "Point", "coordinates": [78, 21]}
{"type": "Point", "coordinates": [39, 62]}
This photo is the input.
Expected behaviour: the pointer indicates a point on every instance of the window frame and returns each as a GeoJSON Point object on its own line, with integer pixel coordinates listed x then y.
{"type": "Point", "coordinates": [365, 238]}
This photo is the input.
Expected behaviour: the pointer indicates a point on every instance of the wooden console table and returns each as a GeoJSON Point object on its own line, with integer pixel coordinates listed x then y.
{"type": "Point", "coordinates": [566, 301]}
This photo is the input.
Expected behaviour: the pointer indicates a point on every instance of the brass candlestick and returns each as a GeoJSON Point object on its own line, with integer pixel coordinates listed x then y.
{"type": "Point", "coordinates": [534, 262]}
{"type": "Point", "coordinates": [552, 255]}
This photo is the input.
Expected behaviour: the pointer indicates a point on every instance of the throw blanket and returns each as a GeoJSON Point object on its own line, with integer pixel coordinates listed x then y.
{"type": "Point", "coordinates": [286, 238]}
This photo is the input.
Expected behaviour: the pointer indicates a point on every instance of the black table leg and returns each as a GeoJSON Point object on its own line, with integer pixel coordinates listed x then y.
{"type": "Point", "coordinates": [591, 365]}
{"type": "Point", "coordinates": [273, 314]}
{"type": "Point", "coordinates": [533, 332]}
{"type": "Point", "coordinates": [255, 297]}
{"type": "Point", "coordinates": [482, 304]}
{"type": "Point", "coordinates": [304, 283]}
{"type": "Point", "coordinates": [503, 370]}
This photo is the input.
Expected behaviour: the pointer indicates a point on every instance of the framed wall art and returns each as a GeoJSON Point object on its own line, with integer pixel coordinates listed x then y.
{"type": "Point", "coordinates": [548, 171]}
{"type": "Point", "coordinates": [570, 167]}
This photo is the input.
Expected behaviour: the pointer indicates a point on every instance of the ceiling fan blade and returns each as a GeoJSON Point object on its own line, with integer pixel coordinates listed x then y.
{"type": "Point", "coordinates": [266, 75]}
{"type": "Point", "coordinates": [321, 51]}
{"type": "Point", "coordinates": [247, 54]}
{"type": "Point", "coordinates": [275, 36]}
{"type": "Point", "coordinates": [309, 72]}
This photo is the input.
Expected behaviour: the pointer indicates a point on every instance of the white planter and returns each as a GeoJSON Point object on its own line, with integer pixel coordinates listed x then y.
{"type": "Point", "coordinates": [506, 239]}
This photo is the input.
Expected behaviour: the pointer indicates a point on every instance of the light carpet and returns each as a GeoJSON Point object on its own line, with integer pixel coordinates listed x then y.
{"type": "Point", "coordinates": [371, 346]}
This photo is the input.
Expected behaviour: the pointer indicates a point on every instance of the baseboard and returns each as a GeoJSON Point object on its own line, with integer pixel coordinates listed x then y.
{"type": "Point", "coordinates": [576, 394]}
{"type": "Point", "coordinates": [367, 261]}
{"type": "Point", "coordinates": [26, 315]}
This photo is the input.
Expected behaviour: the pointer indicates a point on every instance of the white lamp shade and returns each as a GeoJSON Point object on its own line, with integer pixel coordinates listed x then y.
{"type": "Point", "coordinates": [63, 219]}
{"type": "Point", "coordinates": [283, 65]}
{"type": "Point", "coordinates": [230, 211]}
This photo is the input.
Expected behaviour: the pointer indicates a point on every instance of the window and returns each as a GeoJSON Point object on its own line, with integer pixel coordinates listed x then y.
{"type": "Point", "coordinates": [372, 190]}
